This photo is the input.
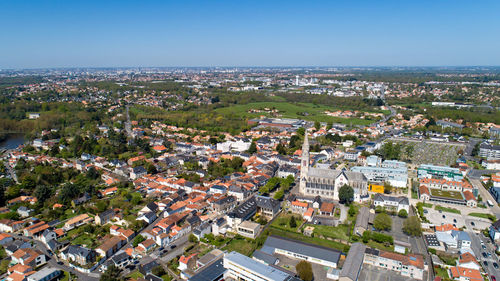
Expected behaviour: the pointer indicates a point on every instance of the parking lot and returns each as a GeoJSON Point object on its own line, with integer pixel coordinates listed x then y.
{"type": "Point", "coordinates": [372, 273]}
{"type": "Point", "coordinates": [459, 220]}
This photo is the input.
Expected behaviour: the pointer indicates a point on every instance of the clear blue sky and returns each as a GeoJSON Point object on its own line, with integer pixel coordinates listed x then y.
{"type": "Point", "coordinates": [70, 33]}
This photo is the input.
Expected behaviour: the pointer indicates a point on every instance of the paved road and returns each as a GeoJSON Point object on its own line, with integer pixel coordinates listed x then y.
{"type": "Point", "coordinates": [486, 196]}
{"type": "Point", "coordinates": [128, 126]}
{"type": "Point", "coordinates": [477, 238]}
{"type": "Point", "coordinates": [11, 171]}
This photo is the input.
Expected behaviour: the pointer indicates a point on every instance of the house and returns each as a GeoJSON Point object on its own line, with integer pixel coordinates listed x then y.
{"type": "Point", "coordinates": [249, 229]}
{"type": "Point", "coordinates": [362, 221]}
{"type": "Point", "coordinates": [78, 254]}
{"type": "Point", "coordinates": [24, 212]}
{"type": "Point", "coordinates": [47, 236]}
{"type": "Point", "coordinates": [467, 260]}
{"type": "Point", "coordinates": [495, 231]}
{"type": "Point", "coordinates": [80, 200]}
{"type": "Point", "coordinates": [202, 230]}
{"type": "Point", "coordinates": [110, 246]}
{"type": "Point", "coordinates": [299, 207]}
{"type": "Point", "coordinates": [104, 217]}
{"type": "Point", "coordinates": [77, 221]}
{"type": "Point", "coordinates": [5, 238]}
{"type": "Point", "coordinates": [45, 274]}
{"type": "Point", "coordinates": [327, 209]}
{"type": "Point", "coordinates": [391, 202]}
{"type": "Point", "coordinates": [463, 239]}
{"type": "Point", "coordinates": [149, 218]}
{"type": "Point", "coordinates": [31, 257]}
{"type": "Point", "coordinates": [465, 274]}
{"type": "Point", "coordinates": [410, 265]}
{"type": "Point", "coordinates": [188, 262]}
{"type": "Point", "coordinates": [7, 225]}
{"type": "Point", "coordinates": [137, 172]}
{"type": "Point", "coordinates": [12, 247]}
{"type": "Point", "coordinates": [146, 245]}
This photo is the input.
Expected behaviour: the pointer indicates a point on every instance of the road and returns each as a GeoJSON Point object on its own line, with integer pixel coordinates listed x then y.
{"type": "Point", "coordinates": [478, 249]}
{"type": "Point", "coordinates": [486, 196]}
{"type": "Point", "coordinates": [11, 171]}
{"type": "Point", "coordinates": [128, 125]}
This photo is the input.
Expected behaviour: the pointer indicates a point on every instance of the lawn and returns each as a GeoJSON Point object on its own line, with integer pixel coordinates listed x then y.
{"type": "Point", "coordinates": [449, 210]}
{"type": "Point", "coordinates": [241, 245]}
{"type": "Point", "coordinates": [305, 111]}
{"type": "Point", "coordinates": [441, 272]}
{"type": "Point", "coordinates": [312, 240]}
{"type": "Point", "coordinates": [484, 216]}
{"type": "Point", "coordinates": [446, 193]}
{"type": "Point", "coordinates": [282, 222]}
{"type": "Point", "coordinates": [339, 232]}
{"type": "Point", "coordinates": [135, 275]}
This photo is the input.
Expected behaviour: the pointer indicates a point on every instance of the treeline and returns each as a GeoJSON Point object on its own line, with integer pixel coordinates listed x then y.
{"type": "Point", "coordinates": [348, 103]}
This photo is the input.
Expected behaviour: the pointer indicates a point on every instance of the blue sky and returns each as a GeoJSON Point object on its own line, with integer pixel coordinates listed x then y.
{"type": "Point", "coordinates": [70, 33]}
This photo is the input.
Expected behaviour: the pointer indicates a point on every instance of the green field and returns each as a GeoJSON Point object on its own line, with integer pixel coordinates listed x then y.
{"type": "Point", "coordinates": [305, 111]}
{"type": "Point", "coordinates": [449, 210]}
{"type": "Point", "coordinates": [241, 245]}
{"type": "Point", "coordinates": [340, 232]}
{"type": "Point", "coordinates": [446, 194]}
{"type": "Point", "coordinates": [484, 216]}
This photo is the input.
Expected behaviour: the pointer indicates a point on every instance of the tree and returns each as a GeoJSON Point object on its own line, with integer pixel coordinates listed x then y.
{"type": "Point", "coordinates": [387, 188]}
{"type": "Point", "coordinates": [111, 274]}
{"type": "Point", "coordinates": [403, 213]}
{"type": "Point", "coordinates": [158, 271]}
{"type": "Point", "coordinates": [137, 240]}
{"type": "Point", "coordinates": [42, 193]}
{"type": "Point", "coordinates": [192, 238]}
{"type": "Point", "coordinates": [280, 148]}
{"type": "Point", "coordinates": [253, 148]}
{"type": "Point", "coordinates": [346, 194]}
{"type": "Point", "coordinates": [352, 210]}
{"type": "Point", "coordinates": [382, 222]}
{"type": "Point", "coordinates": [292, 222]}
{"type": "Point", "coordinates": [304, 269]}
{"type": "Point", "coordinates": [412, 226]}
{"type": "Point", "coordinates": [317, 125]}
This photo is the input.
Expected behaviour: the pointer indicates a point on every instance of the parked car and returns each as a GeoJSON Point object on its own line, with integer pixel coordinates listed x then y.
{"type": "Point", "coordinates": [454, 220]}
{"type": "Point", "coordinates": [493, 278]}
{"type": "Point", "coordinates": [485, 263]}
{"type": "Point", "coordinates": [472, 223]}
{"type": "Point", "coordinates": [173, 247]}
{"type": "Point", "coordinates": [484, 255]}
{"type": "Point", "coordinates": [495, 265]}
{"type": "Point", "coordinates": [483, 246]}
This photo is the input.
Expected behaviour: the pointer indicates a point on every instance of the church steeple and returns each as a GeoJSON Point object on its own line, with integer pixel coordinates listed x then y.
{"type": "Point", "coordinates": [304, 165]}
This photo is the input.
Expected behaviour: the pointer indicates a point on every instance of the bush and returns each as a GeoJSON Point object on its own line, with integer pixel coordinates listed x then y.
{"type": "Point", "coordinates": [304, 270]}
{"type": "Point", "coordinates": [412, 226]}
{"type": "Point", "coordinates": [403, 213]}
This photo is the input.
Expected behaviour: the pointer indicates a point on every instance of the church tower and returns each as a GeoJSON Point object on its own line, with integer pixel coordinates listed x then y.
{"type": "Point", "coordinates": [304, 165]}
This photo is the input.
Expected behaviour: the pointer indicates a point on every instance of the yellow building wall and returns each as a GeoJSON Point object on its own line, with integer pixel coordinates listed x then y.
{"type": "Point", "coordinates": [376, 188]}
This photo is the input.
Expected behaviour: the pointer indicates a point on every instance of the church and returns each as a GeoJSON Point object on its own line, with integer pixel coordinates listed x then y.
{"type": "Point", "coordinates": [326, 182]}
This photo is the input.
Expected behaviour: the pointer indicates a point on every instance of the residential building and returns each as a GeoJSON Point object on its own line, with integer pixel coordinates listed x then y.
{"type": "Point", "coordinates": [410, 265]}
{"type": "Point", "coordinates": [249, 229]}
{"type": "Point", "coordinates": [240, 267]}
{"type": "Point", "coordinates": [391, 202]}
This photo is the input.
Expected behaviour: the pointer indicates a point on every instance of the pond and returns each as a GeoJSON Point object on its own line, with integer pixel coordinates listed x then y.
{"type": "Point", "coordinates": [11, 141]}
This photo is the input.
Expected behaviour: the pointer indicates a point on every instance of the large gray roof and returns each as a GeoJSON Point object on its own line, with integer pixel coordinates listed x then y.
{"type": "Point", "coordinates": [354, 261]}
{"type": "Point", "coordinates": [302, 248]}
{"type": "Point", "coordinates": [401, 200]}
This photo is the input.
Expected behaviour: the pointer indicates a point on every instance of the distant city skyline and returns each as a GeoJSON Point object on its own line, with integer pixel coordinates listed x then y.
{"type": "Point", "coordinates": [58, 34]}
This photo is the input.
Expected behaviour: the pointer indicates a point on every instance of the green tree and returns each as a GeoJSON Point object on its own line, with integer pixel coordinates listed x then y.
{"type": "Point", "coordinates": [352, 210]}
{"type": "Point", "coordinates": [346, 194]}
{"type": "Point", "coordinates": [192, 238]}
{"type": "Point", "coordinates": [387, 188]}
{"type": "Point", "coordinates": [158, 271]}
{"type": "Point", "coordinates": [403, 213]}
{"type": "Point", "coordinates": [292, 223]}
{"type": "Point", "coordinates": [111, 274]}
{"type": "Point", "coordinates": [412, 226]}
{"type": "Point", "coordinates": [253, 148]}
{"type": "Point", "coordinates": [138, 239]}
{"type": "Point", "coordinates": [304, 270]}
{"type": "Point", "coordinates": [42, 193]}
{"type": "Point", "coordinates": [382, 222]}
{"type": "Point", "coordinates": [317, 125]}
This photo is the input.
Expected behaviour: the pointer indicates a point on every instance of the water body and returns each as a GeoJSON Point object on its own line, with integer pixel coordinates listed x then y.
{"type": "Point", "coordinates": [12, 141]}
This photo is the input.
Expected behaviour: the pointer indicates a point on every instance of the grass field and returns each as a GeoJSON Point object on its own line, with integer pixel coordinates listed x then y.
{"type": "Point", "coordinates": [241, 246]}
{"type": "Point", "coordinates": [312, 240]}
{"type": "Point", "coordinates": [282, 222]}
{"type": "Point", "coordinates": [484, 216]}
{"type": "Point", "coordinates": [305, 111]}
{"type": "Point", "coordinates": [339, 232]}
{"type": "Point", "coordinates": [446, 193]}
{"type": "Point", "coordinates": [449, 210]}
